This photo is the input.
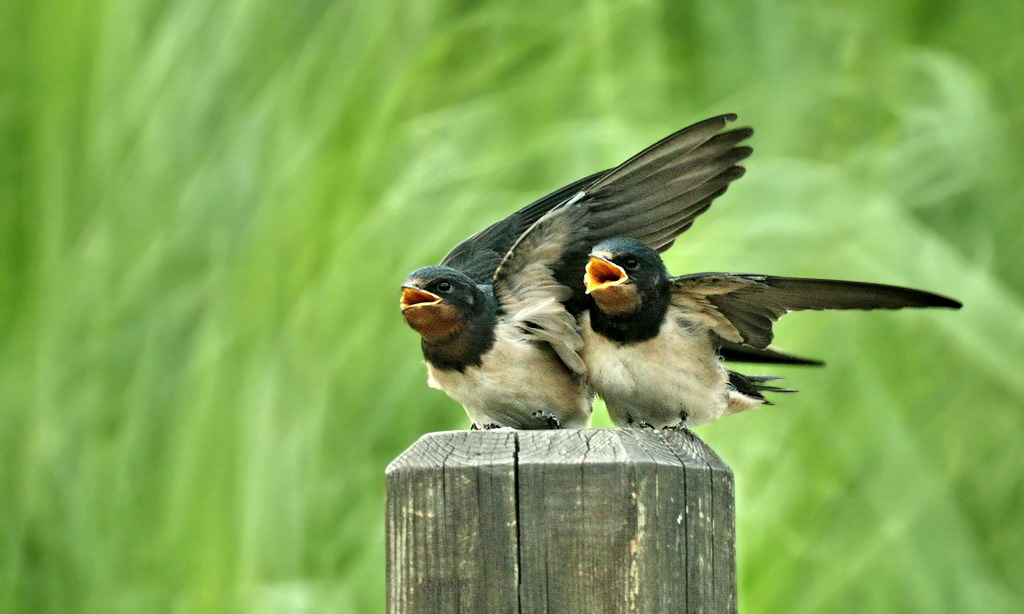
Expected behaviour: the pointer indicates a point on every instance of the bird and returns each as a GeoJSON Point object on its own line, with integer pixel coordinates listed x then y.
{"type": "Point", "coordinates": [651, 341]}
{"type": "Point", "coordinates": [498, 316]}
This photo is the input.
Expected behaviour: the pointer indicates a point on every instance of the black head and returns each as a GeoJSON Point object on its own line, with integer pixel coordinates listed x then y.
{"type": "Point", "coordinates": [629, 288]}
{"type": "Point", "coordinates": [438, 301]}
{"type": "Point", "coordinates": [624, 273]}
{"type": "Point", "coordinates": [453, 315]}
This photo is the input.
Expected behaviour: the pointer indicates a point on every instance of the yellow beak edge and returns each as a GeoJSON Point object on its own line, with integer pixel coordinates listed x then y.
{"type": "Point", "coordinates": [601, 274]}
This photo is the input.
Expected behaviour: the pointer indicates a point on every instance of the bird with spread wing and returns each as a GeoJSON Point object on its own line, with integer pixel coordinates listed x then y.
{"type": "Point", "coordinates": [498, 316]}
{"type": "Point", "coordinates": [650, 339]}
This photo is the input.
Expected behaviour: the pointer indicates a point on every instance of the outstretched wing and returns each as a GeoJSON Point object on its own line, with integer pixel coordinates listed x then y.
{"type": "Point", "coordinates": [653, 196]}
{"type": "Point", "coordinates": [741, 308]}
{"type": "Point", "coordinates": [479, 255]}
{"type": "Point", "coordinates": [529, 294]}
{"type": "Point", "coordinates": [658, 193]}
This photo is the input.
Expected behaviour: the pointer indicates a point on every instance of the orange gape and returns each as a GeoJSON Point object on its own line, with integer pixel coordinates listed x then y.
{"type": "Point", "coordinates": [601, 273]}
{"type": "Point", "coordinates": [606, 283]}
{"type": "Point", "coordinates": [414, 297]}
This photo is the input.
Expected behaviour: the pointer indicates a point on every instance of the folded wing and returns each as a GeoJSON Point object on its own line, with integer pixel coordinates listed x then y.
{"type": "Point", "coordinates": [529, 294]}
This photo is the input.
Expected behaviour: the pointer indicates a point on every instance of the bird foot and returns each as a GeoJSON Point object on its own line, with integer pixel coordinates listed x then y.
{"type": "Point", "coordinates": [678, 426]}
{"type": "Point", "coordinates": [551, 421]}
{"type": "Point", "coordinates": [490, 426]}
{"type": "Point", "coordinates": [638, 424]}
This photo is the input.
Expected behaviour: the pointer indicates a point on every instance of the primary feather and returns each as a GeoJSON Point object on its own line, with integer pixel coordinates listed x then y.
{"type": "Point", "coordinates": [479, 255]}
{"type": "Point", "coordinates": [653, 196]}
{"type": "Point", "coordinates": [742, 308]}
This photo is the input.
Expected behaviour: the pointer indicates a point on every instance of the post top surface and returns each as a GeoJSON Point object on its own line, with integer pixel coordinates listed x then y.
{"type": "Point", "coordinates": [575, 447]}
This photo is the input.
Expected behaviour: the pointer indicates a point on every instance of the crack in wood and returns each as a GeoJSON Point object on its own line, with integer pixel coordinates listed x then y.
{"type": "Point", "coordinates": [595, 520]}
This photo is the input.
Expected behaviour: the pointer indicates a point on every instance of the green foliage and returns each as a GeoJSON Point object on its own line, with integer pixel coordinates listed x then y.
{"type": "Point", "coordinates": [206, 209]}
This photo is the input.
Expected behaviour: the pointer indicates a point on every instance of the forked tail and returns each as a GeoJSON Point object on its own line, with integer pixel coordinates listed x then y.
{"type": "Point", "coordinates": [754, 385]}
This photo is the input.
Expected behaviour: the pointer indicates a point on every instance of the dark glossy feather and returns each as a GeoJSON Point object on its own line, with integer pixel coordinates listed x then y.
{"type": "Point", "coordinates": [754, 385]}
{"type": "Point", "coordinates": [736, 352]}
{"type": "Point", "coordinates": [743, 307]}
{"type": "Point", "coordinates": [479, 255]}
{"type": "Point", "coordinates": [652, 197]}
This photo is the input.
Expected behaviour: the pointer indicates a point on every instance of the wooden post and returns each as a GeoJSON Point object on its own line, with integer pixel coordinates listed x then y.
{"type": "Point", "coordinates": [591, 520]}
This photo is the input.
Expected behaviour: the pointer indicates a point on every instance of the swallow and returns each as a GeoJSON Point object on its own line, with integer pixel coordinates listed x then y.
{"type": "Point", "coordinates": [651, 341]}
{"type": "Point", "coordinates": [498, 317]}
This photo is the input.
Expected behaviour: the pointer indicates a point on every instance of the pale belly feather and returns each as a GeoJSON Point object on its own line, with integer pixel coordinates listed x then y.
{"type": "Point", "coordinates": [660, 380]}
{"type": "Point", "coordinates": [518, 384]}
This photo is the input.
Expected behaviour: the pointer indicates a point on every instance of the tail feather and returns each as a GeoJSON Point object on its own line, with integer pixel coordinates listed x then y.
{"type": "Point", "coordinates": [754, 385]}
{"type": "Point", "coordinates": [737, 352]}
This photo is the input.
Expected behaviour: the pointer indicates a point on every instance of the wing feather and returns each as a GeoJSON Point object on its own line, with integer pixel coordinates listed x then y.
{"type": "Point", "coordinates": [741, 308]}
{"type": "Point", "coordinates": [479, 255]}
{"type": "Point", "coordinates": [653, 196]}
{"type": "Point", "coordinates": [528, 293]}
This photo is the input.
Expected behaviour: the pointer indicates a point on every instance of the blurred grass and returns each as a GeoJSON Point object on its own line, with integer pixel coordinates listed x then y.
{"type": "Point", "coordinates": [206, 208]}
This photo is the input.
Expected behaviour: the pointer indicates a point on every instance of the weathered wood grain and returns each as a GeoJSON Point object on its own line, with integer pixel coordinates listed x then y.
{"type": "Point", "coordinates": [452, 539]}
{"type": "Point", "coordinates": [591, 520]}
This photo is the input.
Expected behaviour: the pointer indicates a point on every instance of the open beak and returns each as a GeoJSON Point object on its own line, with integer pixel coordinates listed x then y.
{"type": "Point", "coordinates": [416, 297]}
{"type": "Point", "coordinates": [602, 274]}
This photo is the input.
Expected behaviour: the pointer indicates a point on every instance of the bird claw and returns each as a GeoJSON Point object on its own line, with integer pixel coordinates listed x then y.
{"type": "Point", "coordinates": [551, 421]}
{"type": "Point", "coordinates": [678, 426]}
{"type": "Point", "coordinates": [490, 426]}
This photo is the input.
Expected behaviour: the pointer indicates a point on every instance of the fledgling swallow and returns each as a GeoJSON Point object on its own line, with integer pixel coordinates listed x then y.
{"type": "Point", "coordinates": [651, 341]}
{"type": "Point", "coordinates": [497, 317]}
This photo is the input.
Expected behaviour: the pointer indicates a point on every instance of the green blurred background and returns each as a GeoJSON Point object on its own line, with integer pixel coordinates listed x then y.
{"type": "Point", "coordinates": [206, 209]}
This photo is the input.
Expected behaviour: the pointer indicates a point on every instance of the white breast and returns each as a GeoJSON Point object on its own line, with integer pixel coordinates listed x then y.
{"type": "Point", "coordinates": [657, 380]}
{"type": "Point", "coordinates": [518, 384]}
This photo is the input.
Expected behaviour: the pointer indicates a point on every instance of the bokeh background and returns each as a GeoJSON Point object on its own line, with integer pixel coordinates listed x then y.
{"type": "Point", "coordinates": [206, 209]}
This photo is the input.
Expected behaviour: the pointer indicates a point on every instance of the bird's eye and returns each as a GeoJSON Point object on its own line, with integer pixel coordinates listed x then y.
{"type": "Point", "coordinates": [444, 286]}
{"type": "Point", "coordinates": [631, 264]}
